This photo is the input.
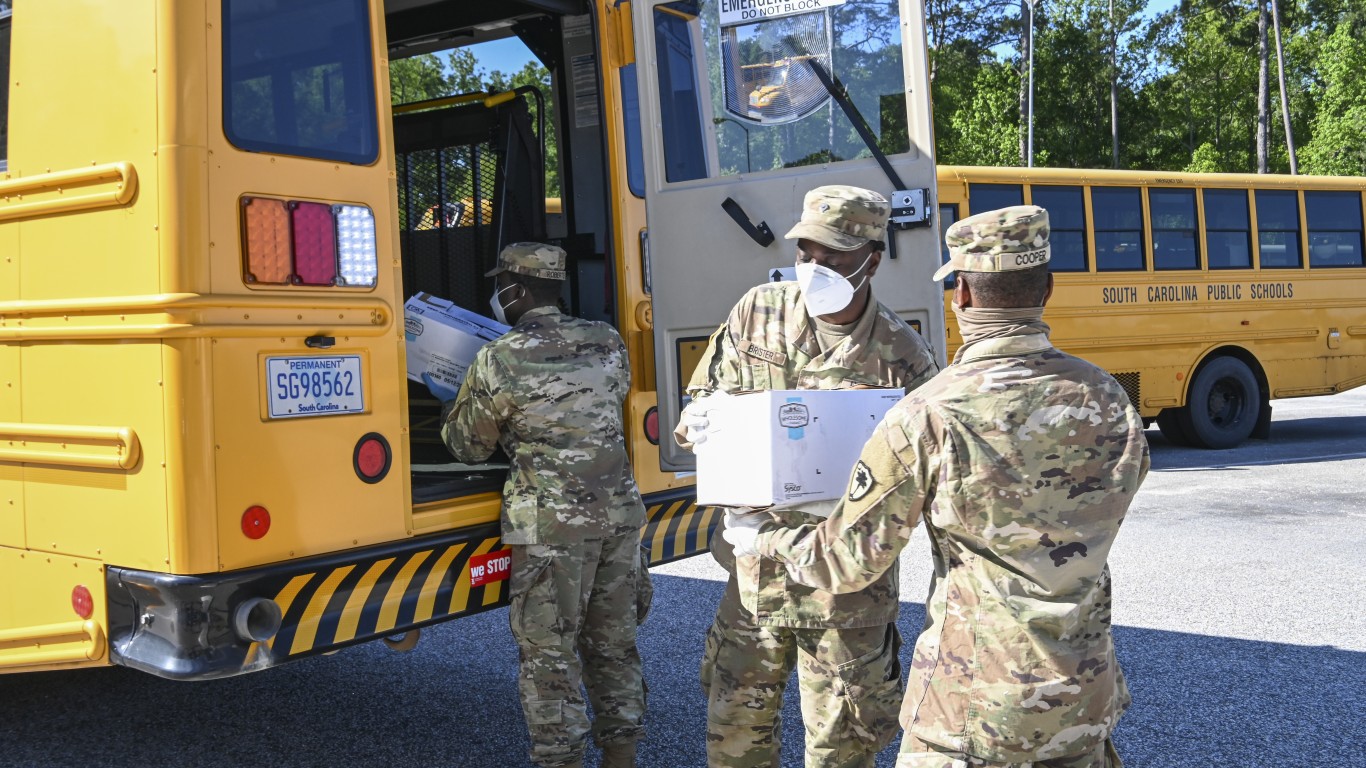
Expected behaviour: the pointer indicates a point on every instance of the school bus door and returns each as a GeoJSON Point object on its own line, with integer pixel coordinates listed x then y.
{"type": "Point", "coordinates": [728, 158]}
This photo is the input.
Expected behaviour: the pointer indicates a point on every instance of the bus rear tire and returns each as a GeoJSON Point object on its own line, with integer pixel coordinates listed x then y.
{"type": "Point", "coordinates": [1222, 406]}
{"type": "Point", "coordinates": [1169, 424]}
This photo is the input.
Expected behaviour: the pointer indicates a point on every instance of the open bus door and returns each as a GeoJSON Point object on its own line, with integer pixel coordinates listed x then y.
{"type": "Point", "coordinates": [739, 125]}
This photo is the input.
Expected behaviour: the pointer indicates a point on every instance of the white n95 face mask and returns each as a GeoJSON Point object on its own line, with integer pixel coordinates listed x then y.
{"type": "Point", "coordinates": [825, 291]}
{"type": "Point", "coordinates": [499, 312]}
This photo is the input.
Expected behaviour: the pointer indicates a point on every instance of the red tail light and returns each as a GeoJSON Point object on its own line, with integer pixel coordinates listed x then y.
{"type": "Point", "coordinates": [255, 522]}
{"type": "Point", "coordinates": [372, 458]}
{"type": "Point", "coordinates": [82, 603]}
{"type": "Point", "coordinates": [652, 425]}
{"type": "Point", "coordinates": [315, 243]}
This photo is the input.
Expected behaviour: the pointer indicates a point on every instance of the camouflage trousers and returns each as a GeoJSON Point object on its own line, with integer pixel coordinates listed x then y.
{"type": "Point", "coordinates": [918, 754]}
{"type": "Point", "coordinates": [850, 681]}
{"type": "Point", "coordinates": [573, 614]}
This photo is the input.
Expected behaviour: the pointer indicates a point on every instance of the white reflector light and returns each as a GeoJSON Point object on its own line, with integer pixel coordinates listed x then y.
{"type": "Point", "coordinates": [356, 252]}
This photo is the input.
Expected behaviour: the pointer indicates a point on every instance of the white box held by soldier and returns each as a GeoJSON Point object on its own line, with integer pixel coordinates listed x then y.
{"type": "Point", "coordinates": [443, 338]}
{"type": "Point", "coordinates": [787, 446]}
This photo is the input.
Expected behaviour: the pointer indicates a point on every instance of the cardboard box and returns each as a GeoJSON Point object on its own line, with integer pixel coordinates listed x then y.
{"type": "Point", "coordinates": [443, 338]}
{"type": "Point", "coordinates": [787, 446]}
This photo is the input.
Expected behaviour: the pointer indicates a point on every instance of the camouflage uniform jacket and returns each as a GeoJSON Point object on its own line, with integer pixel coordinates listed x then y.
{"type": "Point", "coordinates": [551, 390]}
{"type": "Point", "coordinates": [1023, 461]}
{"type": "Point", "coordinates": [769, 342]}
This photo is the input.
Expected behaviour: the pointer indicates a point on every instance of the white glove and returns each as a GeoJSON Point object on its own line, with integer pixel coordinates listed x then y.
{"type": "Point", "coordinates": [742, 529]}
{"type": "Point", "coordinates": [696, 416]}
{"type": "Point", "coordinates": [695, 422]}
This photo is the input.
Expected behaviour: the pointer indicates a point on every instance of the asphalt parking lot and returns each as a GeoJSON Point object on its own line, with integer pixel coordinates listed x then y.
{"type": "Point", "coordinates": [1239, 619]}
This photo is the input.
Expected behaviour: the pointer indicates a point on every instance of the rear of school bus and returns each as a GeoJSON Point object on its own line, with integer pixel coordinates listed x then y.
{"type": "Point", "coordinates": [211, 459]}
{"type": "Point", "coordinates": [204, 462]}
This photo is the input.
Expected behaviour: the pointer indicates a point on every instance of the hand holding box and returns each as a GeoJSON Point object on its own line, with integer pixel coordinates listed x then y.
{"type": "Point", "coordinates": [786, 446]}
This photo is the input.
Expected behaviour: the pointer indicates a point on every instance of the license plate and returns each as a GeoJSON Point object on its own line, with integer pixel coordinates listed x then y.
{"type": "Point", "coordinates": [315, 385]}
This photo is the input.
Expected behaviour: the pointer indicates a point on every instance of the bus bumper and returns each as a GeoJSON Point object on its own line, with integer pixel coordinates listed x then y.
{"type": "Point", "coordinates": [216, 625]}
{"type": "Point", "coordinates": [675, 527]}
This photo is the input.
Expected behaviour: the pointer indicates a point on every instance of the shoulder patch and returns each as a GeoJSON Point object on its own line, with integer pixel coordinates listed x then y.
{"type": "Point", "coordinates": [767, 355]}
{"type": "Point", "coordinates": [860, 481]}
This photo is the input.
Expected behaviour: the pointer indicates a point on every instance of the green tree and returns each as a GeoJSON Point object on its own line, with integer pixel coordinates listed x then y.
{"type": "Point", "coordinates": [1072, 92]}
{"type": "Point", "coordinates": [1205, 159]}
{"type": "Point", "coordinates": [429, 76]}
{"type": "Point", "coordinates": [1080, 48]}
{"type": "Point", "coordinates": [417, 79]}
{"type": "Point", "coordinates": [1209, 50]}
{"type": "Point", "coordinates": [961, 38]}
{"type": "Point", "coordinates": [465, 74]}
{"type": "Point", "coordinates": [988, 127]}
{"type": "Point", "coordinates": [533, 75]}
{"type": "Point", "coordinates": [1338, 134]}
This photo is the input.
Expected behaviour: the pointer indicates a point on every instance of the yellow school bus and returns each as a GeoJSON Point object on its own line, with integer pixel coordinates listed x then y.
{"type": "Point", "coordinates": [1205, 295]}
{"type": "Point", "coordinates": [212, 460]}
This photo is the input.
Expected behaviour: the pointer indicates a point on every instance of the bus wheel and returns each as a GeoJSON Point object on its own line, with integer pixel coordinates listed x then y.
{"type": "Point", "coordinates": [1169, 423]}
{"type": "Point", "coordinates": [1222, 405]}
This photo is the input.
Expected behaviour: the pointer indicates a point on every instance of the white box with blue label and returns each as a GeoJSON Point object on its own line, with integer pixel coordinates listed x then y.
{"type": "Point", "coordinates": [443, 338]}
{"type": "Point", "coordinates": [787, 447]}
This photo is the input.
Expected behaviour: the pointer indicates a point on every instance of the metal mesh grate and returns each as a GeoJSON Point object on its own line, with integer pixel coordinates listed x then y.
{"type": "Point", "coordinates": [447, 236]}
{"type": "Point", "coordinates": [470, 180]}
{"type": "Point", "coordinates": [446, 199]}
{"type": "Point", "coordinates": [1130, 380]}
{"type": "Point", "coordinates": [445, 246]}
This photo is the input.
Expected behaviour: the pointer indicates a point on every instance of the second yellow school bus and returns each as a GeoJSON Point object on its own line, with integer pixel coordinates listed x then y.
{"type": "Point", "coordinates": [1206, 295]}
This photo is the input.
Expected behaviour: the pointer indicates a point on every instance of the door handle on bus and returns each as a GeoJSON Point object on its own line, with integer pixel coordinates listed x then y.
{"type": "Point", "coordinates": [760, 234]}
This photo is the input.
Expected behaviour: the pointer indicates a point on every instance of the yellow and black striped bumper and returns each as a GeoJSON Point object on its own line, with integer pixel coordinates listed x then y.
{"type": "Point", "coordinates": [183, 627]}
{"type": "Point", "coordinates": [675, 527]}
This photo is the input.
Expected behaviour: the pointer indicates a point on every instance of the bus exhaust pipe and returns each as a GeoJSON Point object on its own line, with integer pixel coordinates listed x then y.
{"type": "Point", "coordinates": [257, 620]}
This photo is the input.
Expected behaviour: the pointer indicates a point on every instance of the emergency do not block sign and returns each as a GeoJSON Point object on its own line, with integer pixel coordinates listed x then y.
{"type": "Point", "coordinates": [749, 11]}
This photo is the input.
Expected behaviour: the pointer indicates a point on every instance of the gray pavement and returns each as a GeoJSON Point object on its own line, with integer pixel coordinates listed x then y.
{"type": "Point", "coordinates": [1239, 619]}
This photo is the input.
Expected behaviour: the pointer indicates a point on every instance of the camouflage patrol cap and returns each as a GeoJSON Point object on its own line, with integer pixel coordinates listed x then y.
{"type": "Point", "coordinates": [533, 259]}
{"type": "Point", "coordinates": [997, 241]}
{"type": "Point", "coordinates": [842, 217]}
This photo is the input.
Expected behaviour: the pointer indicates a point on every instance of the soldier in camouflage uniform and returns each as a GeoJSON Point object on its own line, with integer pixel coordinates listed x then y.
{"type": "Point", "coordinates": [825, 331]}
{"type": "Point", "coordinates": [551, 391]}
{"type": "Point", "coordinates": [1022, 461]}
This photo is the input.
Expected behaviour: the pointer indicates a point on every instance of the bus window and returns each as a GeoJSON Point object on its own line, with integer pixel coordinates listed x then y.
{"type": "Point", "coordinates": [1067, 222]}
{"type": "Point", "coordinates": [771, 110]}
{"type": "Point", "coordinates": [4, 87]}
{"type": "Point", "coordinates": [1173, 219]}
{"type": "Point", "coordinates": [630, 116]}
{"type": "Point", "coordinates": [299, 78]}
{"type": "Point", "coordinates": [685, 155]}
{"type": "Point", "coordinates": [1118, 214]}
{"type": "Point", "coordinates": [1334, 220]}
{"type": "Point", "coordinates": [989, 197]}
{"type": "Point", "coordinates": [1228, 238]}
{"type": "Point", "coordinates": [948, 214]}
{"type": "Point", "coordinates": [1278, 228]}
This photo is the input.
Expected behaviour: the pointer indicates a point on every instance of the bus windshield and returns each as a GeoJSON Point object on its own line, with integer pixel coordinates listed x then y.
{"type": "Point", "coordinates": [299, 79]}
